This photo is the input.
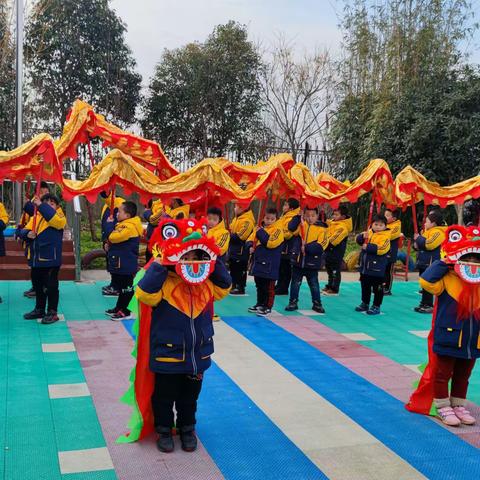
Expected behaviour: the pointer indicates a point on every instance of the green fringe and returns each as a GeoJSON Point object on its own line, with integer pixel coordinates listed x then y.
{"type": "Point", "coordinates": [433, 409]}
{"type": "Point", "coordinates": [135, 424]}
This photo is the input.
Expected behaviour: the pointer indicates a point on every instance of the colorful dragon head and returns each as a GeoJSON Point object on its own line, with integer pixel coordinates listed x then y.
{"type": "Point", "coordinates": [184, 244]}
{"type": "Point", "coordinates": [461, 248]}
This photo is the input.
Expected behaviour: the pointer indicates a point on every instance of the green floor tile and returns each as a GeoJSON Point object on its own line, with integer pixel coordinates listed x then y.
{"type": "Point", "coordinates": [101, 475]}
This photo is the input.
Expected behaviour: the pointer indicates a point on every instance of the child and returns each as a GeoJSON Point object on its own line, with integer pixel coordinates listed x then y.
{"type": "Point", "coordinates": [310, 241]}
{"type": "Point", "coordinates": [454, 338]}
{"type": "Point", "coordinates": [28, 211]}
{"type": "Point", "coordinates": [291, 208]}
{"type": "Point", "coordinates": [339, 227]}
{"type": "Point", "coordinates": [217, 230]}
{"type": "Point", "coordinates": [395, 226]}
{"type": "Point", "coordinates": [152, 214]}
{"type": "Point", "coordinates": [428, 246]}
{"type": "Point", "coordinates": [181, 343]}
{"type": "Point", "coordinates": [178, 209]}
{"type": "Point", "coordinates": [373, 262]}
{"type": "Point", "coordinates": [122, 248]}
{"type": "Point", "coordinates": [106, 224]}
{"type": "Point", "coordinates": [240, 230]}
{"type": "Point", "coordinates": [44, 253]}
{"type": "Point", "coordinates": [267, 243]}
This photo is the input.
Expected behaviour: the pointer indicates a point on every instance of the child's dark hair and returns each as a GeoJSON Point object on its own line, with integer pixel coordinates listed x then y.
{"type": "Point", "coordinates": [342, 209]}
{"type": "Point", "coordinates": [215, 211]}
{"type": "Point", "coordinates": [272, 211]}
{"type": "Point", "coordinates": [313, 209]}
{"type": "Point", "coordinates": [379, 218]}
{"type": "Point", "coordinates": [436, 217]}
{"type": "Point", "coordinates": [293, 203]}
{"type": "Point", "coordinates": [179, 201]}
{"type": "Point", "coordinates": [44, 185]}
{"type": "Point", "coordinates": [394, 211]}
{"type": "Point", "coordinates": [130, 208]}
{"type": "Point", "coordinates": [49, 197]}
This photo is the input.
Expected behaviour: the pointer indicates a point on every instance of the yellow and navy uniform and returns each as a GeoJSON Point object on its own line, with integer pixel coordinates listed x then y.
{"type": "Point", "coordinates": [452, 336]}
{"type": "Point", "coordinates": [287, 234]}
{"type": "Point", "coordinates": [153, 215]}
{"type": "Point", "coordinates": [181, 332]}
{"type": "Point", "coordinates": [3, 226]}
{"type": "Point", "coordinates": [45, 250]}
{"type": "Point", "coordinates": [314, 237]}
{"type": "Point", "coordinates": [240, 230]}
{"type": "Point", "coordinates": [106, 213]}
{"type": "Point", "coordinates": [428, 246]}
{"type": "Point", "coordinates": [180, 212]}
{"type": "Point", "coordinates": [395, 235]}
{"type": "Point", "coordinates": [124, 242]}
{"type": "Point", "coordinates": [222, 238]}
{"type": "Point", "coordinates": [268, 244]}
{"type": "Point", "coordinates": [374, 259]}
{"type": "Point", "coordinates": [338, 231]}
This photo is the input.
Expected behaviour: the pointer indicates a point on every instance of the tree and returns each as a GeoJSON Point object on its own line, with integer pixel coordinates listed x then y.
{"type": "Point", "coordinates": [206, 96]}
{"type": "Point", "coordinates": [7, 80]}
{"type": "Point", "coordinates": [297, 95]}
{"type": "Point", "coordinates": [404, 89]}
{"type": "Point", "coordinates": [78, 49]}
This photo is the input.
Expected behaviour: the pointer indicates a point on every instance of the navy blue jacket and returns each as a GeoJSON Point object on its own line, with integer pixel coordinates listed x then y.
{"type": "Point", "coordinates": [107, 227]}
{"type": "Point", "coordinates": [124, 244]}
{"type": "Point", "coordinates": [181, 338]}
{"type": "Point", "coordinates": [451, 337]}
{"type": "Point", "coordinates": [374, 259]}
{"type": "Point", "coordinates": [266, 261]}
{"type": "Point", "coordinates": [316, 241]}
{"type": "Point", "coordinates": [428, 245]}
{"type": "Point", "coordinates": [45, 250]}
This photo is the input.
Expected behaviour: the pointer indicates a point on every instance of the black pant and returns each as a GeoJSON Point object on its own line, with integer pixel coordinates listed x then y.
{"type": "Point", "coordinates": [334, 271]}
{"type": "Point", "coordinates": [265, 292]}
{"type": "Point", "coordinates": [124, 284]}
{"type": "Point", "coordinates": [427, 298]}
{"type": "Point", "coordinates": [312, 280]}
{"type": "Point", "coordinates": [238, 271]}
{"type": "Point", "coordinates": [179, 389]}
{"type": "Point", "coordinates": [389, 276]}
{"type": "Point", "coordinates": [284, 276]}
{"type": "Point", "coordinates": [45, 283]}
{"type": "Point", "coordinates": [370, 284]}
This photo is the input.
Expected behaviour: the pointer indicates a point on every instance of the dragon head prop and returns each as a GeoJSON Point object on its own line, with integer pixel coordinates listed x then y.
{"type": "Point", "coordinates": [461, 248]}
{"type": "Point", "coordinates": [185, 245]}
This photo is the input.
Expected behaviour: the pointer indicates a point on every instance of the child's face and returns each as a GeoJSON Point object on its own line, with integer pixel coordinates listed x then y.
{"type": "Point", "coordinates": [336, 216]}
{"type": "Point", "coordinates": [378, 226]}
{"type": "Point", "coordinates": [238, 210]}
{"type": "Point", "coordinates": [191, 256]}
{"type": "Point", "coordinates": [311, 216]}
{"type": "Point", "coordinates": [429, 224]}
{"type": "Point", "coordinates": [44, 191]}
{"type": "Point", "coordinates": [121, 214]}
{"type": "Point", "coordinates": [285, 207]}
{"type": "Point", "coordinates": [388, 215]}
{"type": "Point", "coordinates": [269, 219]}
{"type": "Point", "coordinates": [212, 220]}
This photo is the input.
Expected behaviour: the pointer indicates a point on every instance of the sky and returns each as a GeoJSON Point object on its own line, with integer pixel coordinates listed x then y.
{"type": "Point", "coordinates": [154, 25]}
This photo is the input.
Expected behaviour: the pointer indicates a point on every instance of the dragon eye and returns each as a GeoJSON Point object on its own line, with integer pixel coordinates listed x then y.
{"type": "Point", "coordinates": [190, 223]}
{"type": "Point", "coordinates": [169, 231]}
{"type": "Point", "coordinates": [454, 236]}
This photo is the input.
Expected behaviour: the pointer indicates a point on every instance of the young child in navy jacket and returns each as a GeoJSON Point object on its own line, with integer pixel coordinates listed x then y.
{"type": "Point", "coordinates": [266, 246]}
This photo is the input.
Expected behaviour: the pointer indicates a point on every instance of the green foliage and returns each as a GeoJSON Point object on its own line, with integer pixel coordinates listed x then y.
{"type": "Point", "coordinates": [7, 80]}
{"type": "Point", "coordinates": [78, 49]}
{"type": "Point", "coordinates": [405, 92]}
{"type": "Point", "coordinates": [206, 96]}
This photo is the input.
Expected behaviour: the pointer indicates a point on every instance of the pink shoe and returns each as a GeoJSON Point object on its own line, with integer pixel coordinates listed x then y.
{"type": "Point", "coordinates": [464, 415]}
{"type": "Point", "coordinates": [448, 417]}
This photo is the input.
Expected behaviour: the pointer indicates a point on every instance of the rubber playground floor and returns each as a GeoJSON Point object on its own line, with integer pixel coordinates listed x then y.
{"type": "Point", "coordinates": [293, 396]}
